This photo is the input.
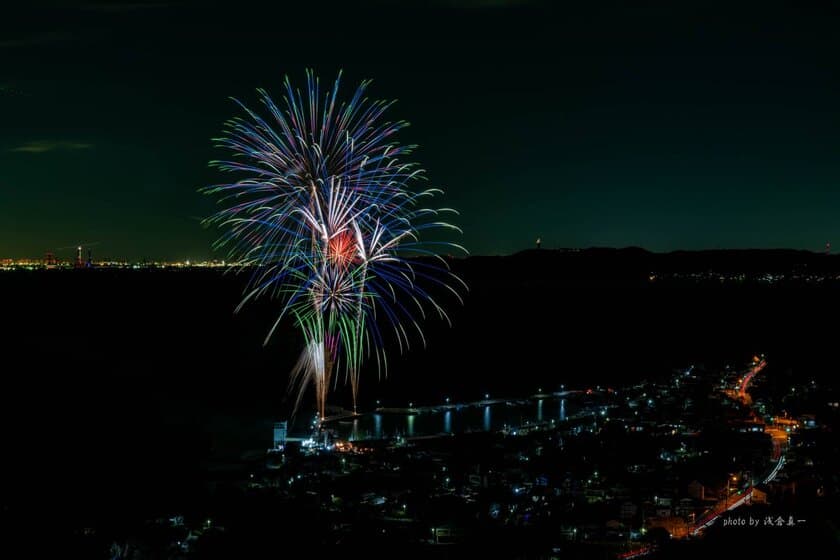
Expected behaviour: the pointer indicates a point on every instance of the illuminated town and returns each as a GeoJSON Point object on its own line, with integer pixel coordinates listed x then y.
{"type": "Point", "coordinates": [655, 464]}
{"type": "Point", "coordinates": [659, 466]}
{"type": "Point", "coordinates": [49, 262]}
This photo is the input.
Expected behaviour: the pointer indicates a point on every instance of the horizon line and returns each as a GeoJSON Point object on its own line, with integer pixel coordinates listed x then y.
{"type": "Point", "coordinates": [461, 257]}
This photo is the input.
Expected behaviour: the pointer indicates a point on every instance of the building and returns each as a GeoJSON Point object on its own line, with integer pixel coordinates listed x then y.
{"type": "Point", "coordinates": [696, 490]}
{"type": "Point", "coordinates": [280, 434]}
{"type": "Point", "coordinates": [628, 511]}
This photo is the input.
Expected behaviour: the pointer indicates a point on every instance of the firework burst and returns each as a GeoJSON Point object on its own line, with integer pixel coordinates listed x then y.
{"type": "Point", "coordinates": [325, 218]}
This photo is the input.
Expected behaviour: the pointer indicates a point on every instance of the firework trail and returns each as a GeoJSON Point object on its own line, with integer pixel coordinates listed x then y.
{"type": "Point", "coordinates": [324, 217]}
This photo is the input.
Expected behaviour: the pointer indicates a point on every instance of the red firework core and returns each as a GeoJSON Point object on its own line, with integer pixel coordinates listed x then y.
{"type": "Point", "coordinates": [342, 249]}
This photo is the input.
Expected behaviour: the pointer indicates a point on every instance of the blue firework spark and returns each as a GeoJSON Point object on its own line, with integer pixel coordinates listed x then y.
{"type": "Point", "coordinates": [325, 217]}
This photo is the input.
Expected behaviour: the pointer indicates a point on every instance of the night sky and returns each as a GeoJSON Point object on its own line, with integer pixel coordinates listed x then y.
{"type": "Point", "coordinates": [665, 126]}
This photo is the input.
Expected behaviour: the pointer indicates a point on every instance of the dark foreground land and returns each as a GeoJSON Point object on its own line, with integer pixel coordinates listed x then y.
{"type": "Point", "coordinates": [133, 398]}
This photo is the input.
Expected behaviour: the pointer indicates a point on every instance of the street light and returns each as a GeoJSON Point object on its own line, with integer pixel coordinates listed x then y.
{"type": "Point", "coordinates": [733, 478]}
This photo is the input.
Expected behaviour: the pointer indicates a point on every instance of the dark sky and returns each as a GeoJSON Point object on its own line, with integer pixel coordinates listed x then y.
{"type": "Point", "coordinates": [663, 125]}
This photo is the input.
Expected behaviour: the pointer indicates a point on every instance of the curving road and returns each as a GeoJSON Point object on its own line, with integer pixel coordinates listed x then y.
{"type": "Point", "coordinates": [744, 495]}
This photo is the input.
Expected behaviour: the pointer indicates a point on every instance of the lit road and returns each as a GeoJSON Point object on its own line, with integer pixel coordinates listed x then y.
{"type": "Point", "coordinates": [741, 497]}
{"type": "Point", "coordinates": [742, 389]}
{"type": "Point", "coordinates": [637, 552]}
{"type": "Point", "coordinates": [744, 495]}
{"type": "Point", "coordinates": [778, 467]}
